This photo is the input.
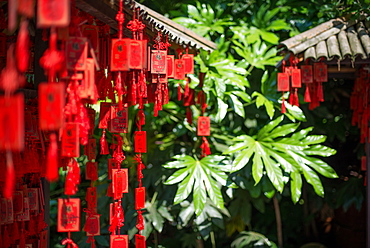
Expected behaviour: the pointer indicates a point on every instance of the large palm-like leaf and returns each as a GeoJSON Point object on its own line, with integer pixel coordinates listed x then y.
{"type": "Point", "coordinates": [202, 177]}
{"type": "Point", "coordinates": [276, 150]}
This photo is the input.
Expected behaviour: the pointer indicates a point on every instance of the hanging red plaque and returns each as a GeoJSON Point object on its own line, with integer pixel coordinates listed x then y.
{"type": "Point", "coordinates": [76, 53]}
{"type": "Point", "coordinates": [119, 119]}
{"type": "Point", "coordinates": [188, 63]}
{"type": "Point", "coordinates": [3, 211]}
{"type": "Point", "coordinates": [91, 149]}
{"type": "Point", "coordinates": [140, 241]}
{"type": "Point", "coordinates": [144, 47]}
{"type": "Point", "coordinates": [92, 200]}
{"type": "Point", "coordinates": [283, 82]}
{"type": "Point", "coordinates": [140, 142]}
{"type": "Point", "coordinates": [92, 226]}
{"type": "Point", "coordinates": [51, 104]}
{"type": "Point", "coordinates": [91, 115]}
{"type": "Point", "coordinates": [12, 122]}
{"type": "Point", "coordinates": [33, 196]}
{"type": "Point", "coordinates": [91, 171]}
{"type": "Point", "coordinates": [119, 182]}
{"type": "Point", "coordinates": [87, 89]}
{"type": "Point", "coordinates": [320, 72]}
{"type": "Point", "coordinates": [104, 115]}
{"type": "Point", "coordinates": [26, 8]}
{"type": "Point", "coordinates": [140, 198]}
{"type": "Point", "coordinates": [159, 62]}
{"type": "Point", "coordinates": [25, 215]}
{"type": "Point", "coordinates": [170, 66]}
{"type": "Point", "coordinates": [296, 78]}
{"type": "Point", "coordinates": [307, 75]}
{"type": "Point", "coordinates": [204, 126]}
{"type": "Point", "coordinates": [179, 69]}
{"type": "Point", "coordinates": [70, 140]}
{"type": "Point", "coordinates": [69, 215]}
{"type": "Point", "coordinates": [112, 164]}
{"type": "Point", "coordinates": [91, 32]}
{"type": "Point", "coordinates": [53, 13]}
{"type": "Point", "coordinates": [18, 202]}
{"type": "Point", "coordinates": [136, 55]}
{"type": "Point", "coordinates": [119, 55]}
{"type": "Point", "coordinates": [119, 241]}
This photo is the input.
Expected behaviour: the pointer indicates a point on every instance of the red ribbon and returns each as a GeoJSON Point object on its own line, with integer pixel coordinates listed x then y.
{"type": "Point", "coordinates": [69, 242]}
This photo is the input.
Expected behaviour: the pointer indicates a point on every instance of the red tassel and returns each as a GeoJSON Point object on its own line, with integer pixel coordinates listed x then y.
{"type": "Point", "coordinates": [179, 92]}
{"type": "Point", "coordinates": [15, 231]}
{"type": "Point", "coordinates": [296, 99]}
{"type": "Point", "coordinates": [189, 116]}
{"type": "Point", "coordinates": [22, 240]}
{"type": "Point", "coordinates": [32, 227]}
{"type": "Point", "coordinates": [206, 150]}
{"type": "Point", "coordinates": [9, 176]}
{"type": "Point", "coordinates": [6, 238]}
{"type": "Point", "coordinates": [140, 221]}
{"type": "Point", "coordinates": [283, 108]}
{"type": "Point", "coordinates": [187, 89]}
{"type": "Point", "coordinates": [104, 150]}
{"type": "Point", "coordinates": [307, 97]}
{"type": "Point", "coordinates": [52, 166]}
{"type": "Point", "coordinates": [291, 98]}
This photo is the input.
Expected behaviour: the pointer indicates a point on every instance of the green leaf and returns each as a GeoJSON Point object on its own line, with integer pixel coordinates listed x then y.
{"type": "Point", "coordinates": [238, 106]}
{"type": "Point", "coordinates": [222, 110]}
{"type": "Point", "coordinates": [270, 126]}
{"type": "Point", "coordinates": [202, 177]}
{"type": "Point", "coordinates": [257, 168]}
{"type": "Point", "coordinates": [295, 186]}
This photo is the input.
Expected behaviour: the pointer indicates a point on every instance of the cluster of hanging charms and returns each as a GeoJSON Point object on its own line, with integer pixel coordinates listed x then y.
{"type": "Point", "coordinates": [292, 77]}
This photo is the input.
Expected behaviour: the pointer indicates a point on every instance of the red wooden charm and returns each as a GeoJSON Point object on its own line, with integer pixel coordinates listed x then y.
{"type": "Point", "coordinates": [136, 54]}
{"type": "Point", "coordinates": [91, 149]}
{"type": "Point", "coordinates": [320, 72]}
{"type": "Point", "coordinates": [87, 89]}
{"type": "Point", "coordinates": [307, 74]}
{"type": "Point", "coordinates": [296, 78]}
{"type": "Point", "coordinates": [119, 241]}
{"type": "Point", "coordinates": [158, 62]}
{"type": "Point", "coordinates": [69, 215]}
{"type": "Point", "coordinates": [70, 140]}
{"type": "Point", "coordinates": [104, 115]}
{"type": "Point", "coordinates": [119, 119]}
{"type": "Point", "coordinates": [12, 122]}
{"type": "Point", "coordinates": [92, 225]}
{"type": "Point", "coordinates": [91, 171]}
{"type": "Point", "coordinates": [140, 142]}
{"type": "Point", "coordinates": [18, 202]}
{"type": "Point", "coordinates": [204, 126]}
{"type": "Point", "coordinates": [76, 53]}
{"type": "Point", "coordinates": [25, 215]}
{"type": "Point", "coordinates": [283, 82]}
{"type": "Point", "coordinates": [51, 104]}
{"type": "Point", "coordinates": [92, 200]}
{"type": "Point", "coordinates": [26, 8]}
{"type": "Point", "coordinates": [140, 198]}
{"type": "Point", "coordinates": [119, 55]}
{"type": "Point", "coordinates": [179, 69]}
{"type": "Point", "coordinates": [3, 211]}
{"type": "Point", "coordinates": [33, 196]}
{"type": "Point", "coordinates": [170, 66]}
{"type": "Point", "coordinates": [53, 13]}
{"type": "Point", "coordinates": [91, 32]}
{"type": "Point", "coordinates": [119, 182]}
{"type": "Point", "coordinates": [188, 63]}
{"type": "Point", "coordinates": [112, 164]}
{"type": "Point", "coordinates": [140, 241]}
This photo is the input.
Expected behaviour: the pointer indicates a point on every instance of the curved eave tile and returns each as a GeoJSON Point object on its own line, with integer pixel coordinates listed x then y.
{"type": "Point", "coordinates": [364, 37]}
{"type": "Point", "coordinates": [355, 43]}
{"type": "Point", "coordinates": [344, 44]}
{"type": "Point", "coordinates": [321, 50]}
{"type": "Point", "coordinates": [333, 48]}
{"type": "Point", "coordinates": [310, 53]}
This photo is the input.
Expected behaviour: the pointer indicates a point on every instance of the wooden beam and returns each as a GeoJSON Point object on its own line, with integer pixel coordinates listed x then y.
{"type": "Point", "coordinates": [99, 9]}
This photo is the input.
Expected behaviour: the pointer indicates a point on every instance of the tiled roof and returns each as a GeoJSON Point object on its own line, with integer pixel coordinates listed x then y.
{"type": "Point", "coordinates": [335, 39]}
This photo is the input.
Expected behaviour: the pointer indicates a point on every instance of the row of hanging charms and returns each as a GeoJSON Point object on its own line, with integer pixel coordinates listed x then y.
{"type": "Point", "coordinates": [359, 103]}
{"type": "Point", "coordinates": [118, 124]}
{"type": "Point", "coordinates": [292, 77]}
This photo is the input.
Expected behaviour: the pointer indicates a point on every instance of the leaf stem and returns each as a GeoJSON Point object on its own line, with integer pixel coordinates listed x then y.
{"type": "Point", "coordinates": [213, 240]}
{"type": "Point", "coordinates": [279, 225]}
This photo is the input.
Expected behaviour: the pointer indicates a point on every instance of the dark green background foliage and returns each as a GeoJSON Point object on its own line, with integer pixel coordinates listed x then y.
{"type": "Point", "coordinates": [264, 165]}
